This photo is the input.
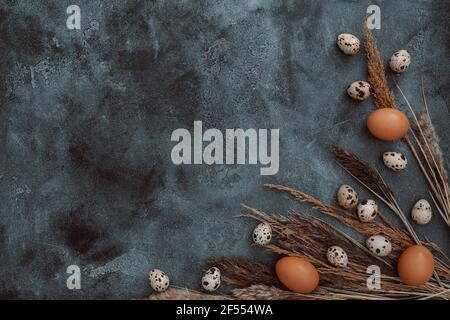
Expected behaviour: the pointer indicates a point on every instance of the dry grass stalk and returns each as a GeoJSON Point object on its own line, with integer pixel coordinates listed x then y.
{"type": "Point", "coordinates": [264, 292]}
{"type": "Point", "coordinates": [312, 237]}
{"type": "Point", "coordinates": [309, 237]}
{"type": "Point", "coordinates": [363, 172]}
{"type": "Point", "coordinates": [383, 97]}
{"type": "Point", "coordinates": [298, 236]}
{"type": "Point", "coordinates": [185, 294]}
{"type": "Point", "coordinates": [439, 193]}
{"type": "Point", "coordinates": [399, 238]}
{"type": "Point", "coordinates": [429, 158]}
{"type": "Point", "coordinates": [428, 153]}
{"type": "Point", "coordinates": [370, 178]}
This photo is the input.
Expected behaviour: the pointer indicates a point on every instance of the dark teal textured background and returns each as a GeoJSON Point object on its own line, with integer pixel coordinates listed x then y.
{"type": "Point", "coordinates": [86, 118]}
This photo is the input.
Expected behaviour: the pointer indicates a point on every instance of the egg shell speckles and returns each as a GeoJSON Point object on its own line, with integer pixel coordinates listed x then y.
{"type": "Point", "coordinates": [347, 197]}
{"type": "Point", "coordinates": [159, 281]}
{"type": "Point", "coordinates": [359, 90]}
{"type": "Point", "coordinates": [400, 61]}
{"type": "Point", "coordinates": [337, 256]}
{"type": "Point", "coordinates": [211, 279]}
{"type": "Point", "coordinates": [262, 234]}
{"type": "Point", "coordinates": [379, 245]}
{"type": "Point", "coordinates": [367, 210]}
{"type": "Point", "coordinates": [395, 160]}
{"type": "Point", "coordinates": [421, 213]}
{"type": "Point", "coordinates": [348, 43]}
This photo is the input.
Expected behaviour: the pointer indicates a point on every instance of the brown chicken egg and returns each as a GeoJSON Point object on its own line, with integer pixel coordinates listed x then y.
{"type": "Point", "coordinates": [297, 274]}
{"type": "Point", "coordinates": [415, 265]}
{"type": "Point", "coordinates": [388, 124]}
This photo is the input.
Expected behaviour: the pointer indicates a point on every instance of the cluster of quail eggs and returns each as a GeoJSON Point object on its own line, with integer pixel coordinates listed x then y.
{"type": "Point", "coordinates": [421, 212]}
{"type": "Point", "coordinates": [350, 45]}
{"type": "Point", "coordinates": [160, 282]}
{"type": "Point", "coordinates": [336, 256]}
{"type": "Point", "coordinates": [366, 211]}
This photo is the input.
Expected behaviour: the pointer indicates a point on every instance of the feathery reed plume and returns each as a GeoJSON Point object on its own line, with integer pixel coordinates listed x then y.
{"type": "Point", "coordinates": [362, 171]}
{"type": "Point", "coordinates": [430, 137]}
{"type": "Point", "coordinates": [383, 97]}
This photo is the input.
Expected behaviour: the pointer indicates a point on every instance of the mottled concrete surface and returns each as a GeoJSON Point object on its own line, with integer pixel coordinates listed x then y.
{"type": "Point", "coordinates": [86, 118]}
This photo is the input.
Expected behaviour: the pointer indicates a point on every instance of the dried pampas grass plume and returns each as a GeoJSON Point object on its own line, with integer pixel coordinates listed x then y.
{"type": "Point", "coordinates": [383, 97]}
{"type": "Point", "coordinates": [429, 134]}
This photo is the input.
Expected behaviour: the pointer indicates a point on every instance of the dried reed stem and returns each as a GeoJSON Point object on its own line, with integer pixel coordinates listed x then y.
{"type": "Point", "coordinates": [433, 170]}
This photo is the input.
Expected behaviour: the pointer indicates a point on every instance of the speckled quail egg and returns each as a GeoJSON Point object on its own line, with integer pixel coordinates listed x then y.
{"type": "Point", "coordinates": [347, 197]}
{"type": "Point", "coordinates": [348, 43]}
{"type": "Point", "coordinates": [337, 256]}
{"type": "Point", "coordinates": [367, 210]}
{"type": "Point", "coordinates": [400, 61]}
{"type": "Point", "coordinates": [395, 160]}
{"type": "Point", "coordinates": [262, 234]}
{"type": "Point", "coordinates": [211, 279]}
{"type": "Point", "coordinates": [421, 213]}
{"type": "Point", "coordinates": [379, 245]}
{"type": "Point", "coordinates": [159, 281]}
{"type": "Point", "coordinates": [359, 90]}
